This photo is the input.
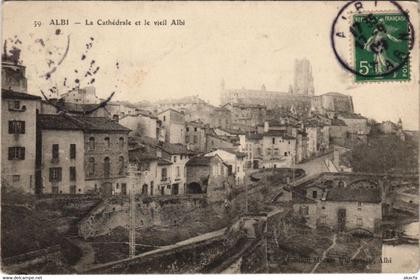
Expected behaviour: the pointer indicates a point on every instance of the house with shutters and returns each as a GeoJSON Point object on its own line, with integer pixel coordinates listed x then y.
{"type": "Point", "coordinates": [18, 132]}
{"type": "Point", "coordinates": [61, 157]}
{"type": "Point", "coordinates": [18, 115]}
{"type": "Point", "coordinates": [80, 154]}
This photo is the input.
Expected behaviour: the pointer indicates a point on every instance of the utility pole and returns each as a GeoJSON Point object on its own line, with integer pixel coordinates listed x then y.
{"type": "Point", "coordinates": [246, 197]}
{"type": "Point", "coordinates": [132, 178]}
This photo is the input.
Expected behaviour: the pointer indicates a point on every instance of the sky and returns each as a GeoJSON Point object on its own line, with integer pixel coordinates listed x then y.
{"type": "Point", "coordinates": [245, 44]}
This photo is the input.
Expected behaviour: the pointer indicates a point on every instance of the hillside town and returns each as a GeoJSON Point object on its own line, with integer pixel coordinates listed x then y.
{"type": "Point", "coordinates": [259, 151]}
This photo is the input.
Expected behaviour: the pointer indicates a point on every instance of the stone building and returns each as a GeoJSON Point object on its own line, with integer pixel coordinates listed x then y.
{"type": "Point", "coordinates": [246, 117]}
{"type": "Point", "coordinates": [106, 154]}
{"type": "Point", "coordinates": [279, 149]}
{"type": "Point", "coordinates": [303, 80]}
{"type": "Point", "coordinates": [85, 95]}
{"type": "Point", "coordinates": [60, 141]}
{"type": "Point", "coordinates": [272, 100]}
{"type": "Point", "coordinates": [235, 161]}
{"type": "Point", "coordinates": [195, 136]}
{"type": "Point", "coordinates": [18, 114]}
{"type": "Point", "coordinates": [338, 132]}
{"type": "Point", "coordinates": [214, 142]}
{"type": "Point", "coordinates": [341, 207]}
{"type": "Point", "coordinates": [174, 124]}
{"type": "Point", "coordinates": [146, 160]}
{"type": "Point", "coordinates": [251, 145]}
{"type": "Point", "coordinates": [331, 103]}
{"type": "Point", "coordinates": [357, 127]}
{"type": "Point", "coordinates": [208, 175]}
{"type": "Point", "coordinates": [141, 123]}
{"type": "Point", "coordinates": [18, 149]}
{"type": "Point", "coordinates": [177, 155]}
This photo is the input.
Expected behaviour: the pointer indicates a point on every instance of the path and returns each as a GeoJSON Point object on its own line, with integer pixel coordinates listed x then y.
{"type": "Point", "coordinates": [88, 256]}
{"type": "Point", "coordinates": [324, 254]}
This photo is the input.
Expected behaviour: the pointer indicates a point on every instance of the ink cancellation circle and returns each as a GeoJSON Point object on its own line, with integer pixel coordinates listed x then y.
{"type": "Point", "coordinates": [373, 40]}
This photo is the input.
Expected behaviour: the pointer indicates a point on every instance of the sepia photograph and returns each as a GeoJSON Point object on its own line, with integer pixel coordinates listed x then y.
{"type": "Point", "coordinates": [185, 137]}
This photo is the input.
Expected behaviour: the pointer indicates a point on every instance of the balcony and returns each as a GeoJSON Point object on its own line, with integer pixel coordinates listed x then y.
{"type": "Point", "coordinates": [55, 160]}
{"type": "Point", "coordinates": [165, 180]}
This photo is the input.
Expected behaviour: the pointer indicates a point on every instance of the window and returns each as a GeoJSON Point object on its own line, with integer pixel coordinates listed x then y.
{"type": "Point", "coordinates": [268, 152]}
{"type": "Point", "coordinates": [178, 173]}
{"type": "Point", "coordinates": [314, 194]}
{"type": "Point", "coordinates": [16, 127]}
{"type": "Point", "coordinates": [304, 210]}
{"type": "Point", "coordinates": [164, 174]}
{"type": "Point", "coordinates": [121, 143]}
{"type": "Point", "coordinates": [121, 165]}
{"type": "Point", "coordinates": [276, 152]}
{"type": "Point", "coordinates": [16, 153]}
{"type": "Point", "coordinates": [55, 149]}
{"type": "Point", "coordinates": [72, 151]}
{"type": "Point", "coordinates": [91, 144]}
{"type": "Point", "coordinates": [187, 139]}
{"type": "Point", "coordinates": [195, 139]}
{"type": "Point", "coordinates": [323, 220]}
{"type": "Point", "coordinates": [285, 154]}
{"type": "Point", "coordinates": [174, 158]}
{"type": "Point", "coordinates": [91, 166]}
{"type": "Point", "coordinates": [72, 174]}
{"type": "Point", "coordinates": [274, 140]}
{"type": "Point", "coordinates": [195, 129]}
{"type": "Point", "coordinates": [14, 105]}
{"type": "Point", "coordinates": [107, 143]}
{"type": "Point", "coordinates": [359, 222]}
{"type": "Point", "coordinates": [73, 189]}
{"type": "Point", "coordinates": [55, 174]}
{"type": "Point", "coordinates": [107, 167]}
{"type": "Point", "coordinates": [187, 129]}
{"type": "Point", "coordinates": [164, 118]}
{"type": "Point", "coordinates": [16, 178]}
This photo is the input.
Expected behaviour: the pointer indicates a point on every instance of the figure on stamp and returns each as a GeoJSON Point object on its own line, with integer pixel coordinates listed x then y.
{"type": "Point", "coordinates": [377, 44]}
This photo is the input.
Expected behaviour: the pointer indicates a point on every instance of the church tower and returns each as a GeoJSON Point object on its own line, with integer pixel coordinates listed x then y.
{"type": "Point", "coordinates": [303, 80]}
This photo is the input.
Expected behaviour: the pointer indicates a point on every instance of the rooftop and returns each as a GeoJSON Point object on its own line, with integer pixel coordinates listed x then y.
{"type": "Point", "coordinates": [200, 161]}
{"type": "Point", "coordinates": [140, 154]}
{"type": "Point", "coordinates": [354, 194]}
{"type": "Point", "coordinates": [338, 122]}
{"type": "Point", "coordinates": [58, 122]}
{"type": "Point", "coordinates": [10, 94]}
{"type": "Point", "coordinates": [100, 124]}
{"type": "Point", "coordinates": [347, 115]}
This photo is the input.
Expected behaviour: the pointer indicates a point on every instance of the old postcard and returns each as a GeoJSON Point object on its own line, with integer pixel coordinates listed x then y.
{"type": "Point", "coordinates": [209, 137]}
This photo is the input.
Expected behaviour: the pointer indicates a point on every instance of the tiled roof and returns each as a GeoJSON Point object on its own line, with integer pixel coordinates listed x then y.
{"type": "Point", "coordinates": [354, 194]}
{"type": "Point", "coordinates": [200, 161]}
{"type": "Point", "coordinates": [278, 133]}
{"type": "Point", "coordinates": [182, 100]}
{"type": "Point", "coordinates": [100, 124]}
{"type": "Point", "coordinates": [347, 115]}
{"type": "Point", "coordinates": [58, 122]}
{"type": "Point", "coordinates": [10, 94]}
{"type": "Point", "coordinates": [140, 154]}
{"type": "Point", "coordinates": [254, 136]}
{"type": "Point", "coordinates": [164, 162]}
{"type": "Point", "coordinates": [175, 149]}
{"type": "Point", "coordinates": [338, 122]}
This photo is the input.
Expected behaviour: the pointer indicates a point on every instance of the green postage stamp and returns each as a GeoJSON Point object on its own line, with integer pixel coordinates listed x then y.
{"type": "Point", "coordinates": [381, 47]}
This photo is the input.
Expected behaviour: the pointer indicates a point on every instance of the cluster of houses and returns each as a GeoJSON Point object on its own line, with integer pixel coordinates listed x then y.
{"type": "Point", "coordinates": [178, 146]}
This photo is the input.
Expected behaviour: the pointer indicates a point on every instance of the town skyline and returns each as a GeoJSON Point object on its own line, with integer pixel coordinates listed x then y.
{"type": "Point", "coordinates": [197, 67]}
